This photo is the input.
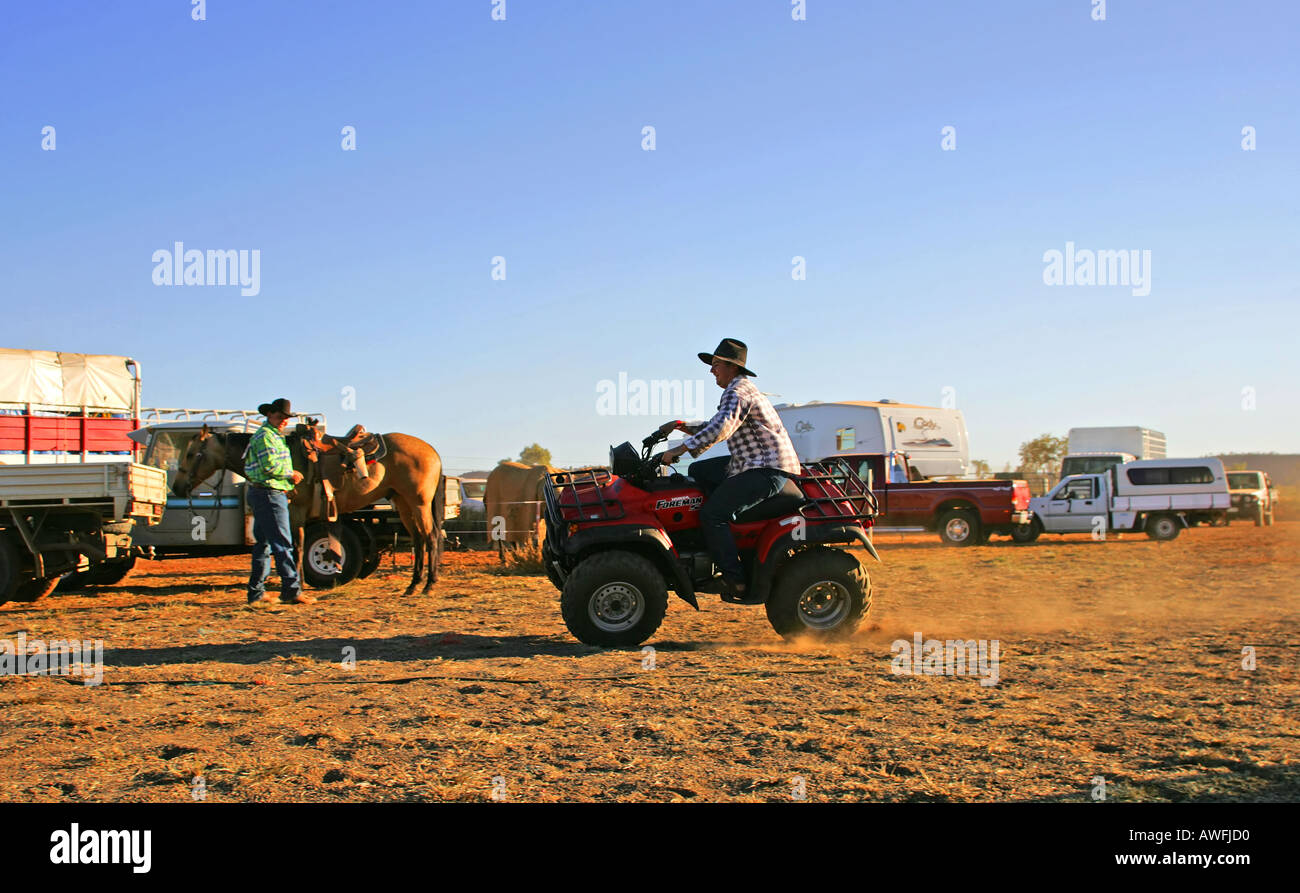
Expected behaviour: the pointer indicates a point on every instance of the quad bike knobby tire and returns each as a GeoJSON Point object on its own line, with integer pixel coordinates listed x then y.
{"type": "Point", "coordinates": [614, 599]}
{"type": "Point", "coordinates": [822, 593]}
{"type": "Point", "coordinates": [551, 573]}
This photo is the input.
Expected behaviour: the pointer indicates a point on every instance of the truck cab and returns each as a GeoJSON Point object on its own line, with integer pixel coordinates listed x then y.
{"type": "Point", "coordinates": [215, 518]}
{"type": "Point", "coordinates": [1096, 462]}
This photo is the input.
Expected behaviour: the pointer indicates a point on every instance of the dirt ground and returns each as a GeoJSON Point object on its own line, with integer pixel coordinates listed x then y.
{"type": "Point", "coordinates": [1120, 659]}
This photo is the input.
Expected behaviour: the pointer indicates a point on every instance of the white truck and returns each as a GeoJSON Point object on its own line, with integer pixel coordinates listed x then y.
{"type": "Point", "coordinates": [1253, 497]}
{"type": "Point", "coordinates": [1094, 450]}
{"type": "Point", "coordinates": [71, 492]}
{"type": "Point", "coordinates": [935, 439]}
{"type": "Point", "coordinates": [1156, 496]}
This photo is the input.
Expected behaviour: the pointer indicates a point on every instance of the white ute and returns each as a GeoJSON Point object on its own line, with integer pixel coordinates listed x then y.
{"type": "Point", "coordinates": [1157, 496]}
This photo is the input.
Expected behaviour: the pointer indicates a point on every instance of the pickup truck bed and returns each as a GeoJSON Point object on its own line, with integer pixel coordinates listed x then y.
{"type": "Point", "coordinates": [962, 512]}
{"type": "Point", "coordinates": [117, 490]}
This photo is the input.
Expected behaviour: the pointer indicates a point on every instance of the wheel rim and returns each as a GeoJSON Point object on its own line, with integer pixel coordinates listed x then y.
{"type": "Point", "coordinates": [824, 605]}
{"type": "Point", "coordinates": [958, 529]}
{"type": "Point", "coordinates": [1164, 527]}
{"type": "Point", "coordinates": [321, 563]}
{"type": "Point", "coordinates": [616, 607]}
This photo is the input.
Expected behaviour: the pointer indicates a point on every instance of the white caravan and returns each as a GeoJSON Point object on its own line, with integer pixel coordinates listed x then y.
{"type": "Point", "coordinates": [935, 439]}
{"type": "Point", "coordinates": [1158, 496]}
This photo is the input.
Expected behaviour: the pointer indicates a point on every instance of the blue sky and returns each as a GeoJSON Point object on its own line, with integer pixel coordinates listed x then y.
{"type": "Point", "coordinates": [774, 138]}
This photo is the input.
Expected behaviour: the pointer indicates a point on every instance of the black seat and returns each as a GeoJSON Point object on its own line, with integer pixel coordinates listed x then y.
{"type": "Point", "coordinates": [786, 502]}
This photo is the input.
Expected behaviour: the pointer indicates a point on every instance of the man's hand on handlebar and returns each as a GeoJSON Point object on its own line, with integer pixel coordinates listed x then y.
{"type": "Point", "coordinates": [670, 427]}
{"type": "Point", "coordinates": [669, 457]}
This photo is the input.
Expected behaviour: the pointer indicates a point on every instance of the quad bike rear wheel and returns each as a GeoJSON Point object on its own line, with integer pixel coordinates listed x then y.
{"type": "Point", "coordinates": [823, 593]}
{"type": "Point", "coordinates": [614, 599]}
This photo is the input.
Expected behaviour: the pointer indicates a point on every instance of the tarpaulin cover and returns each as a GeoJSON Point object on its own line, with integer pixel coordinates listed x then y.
{"type": "Point", "coordinates": [66, 379]}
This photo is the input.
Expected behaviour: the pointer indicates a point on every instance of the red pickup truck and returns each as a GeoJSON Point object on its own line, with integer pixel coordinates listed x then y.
{"type": "Point", "coordinates": [963, 513]}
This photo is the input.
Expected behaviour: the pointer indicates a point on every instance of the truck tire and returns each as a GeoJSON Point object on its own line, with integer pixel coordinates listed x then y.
{"type": "Point", "coordinates": [1163, 528]}
{"type": "Point", "coordinates": [106, 573]}
{"type": "Point", "coordinates": [959, 527]}
{"type": "Point", "coordinates": [370, 556]}
{"type": "Point", "coordinates": [35, 590]}
{"type": "Point", "coordinates": [820, 593]}
{"type": "Point", "coordinates": [11, 568]}
{"type": "Point", "coordinates": [1027, 533]}
{"type": "Point", "coordinates": [1259, 515]}
{"type": "Point", "coordinates": [319, 569]}
{"type": "Point", "coordinates": [369, 564]}
{"type": "Point", "coordinates": [614, 599]}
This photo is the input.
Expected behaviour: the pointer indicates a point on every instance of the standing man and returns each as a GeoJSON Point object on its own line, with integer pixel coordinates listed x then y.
{"type": "Point", "coordinates": [269, 469]}
{"type": "Point", "coordinates": [762, 457]}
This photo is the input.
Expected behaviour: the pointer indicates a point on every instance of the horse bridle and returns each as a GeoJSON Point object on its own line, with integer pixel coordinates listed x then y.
{"type": "Point", "coordinates": [221, 480]}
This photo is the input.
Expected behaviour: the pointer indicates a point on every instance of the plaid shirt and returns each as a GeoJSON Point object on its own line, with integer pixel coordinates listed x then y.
{"type": "Point", "coordinates": [757, 437]}
{"type": "Point", "coordinates": [267, 461]}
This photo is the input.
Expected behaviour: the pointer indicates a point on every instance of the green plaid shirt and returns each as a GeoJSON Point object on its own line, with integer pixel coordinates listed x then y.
{"type": "Point", "coordinates": [267, 461]}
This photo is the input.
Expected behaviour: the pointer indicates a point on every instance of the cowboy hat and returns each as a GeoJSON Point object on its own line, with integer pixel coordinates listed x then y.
{"type": "Point", "coordinates": [279, 405]}
{"type": "Point", "coordinates": [730, 351]}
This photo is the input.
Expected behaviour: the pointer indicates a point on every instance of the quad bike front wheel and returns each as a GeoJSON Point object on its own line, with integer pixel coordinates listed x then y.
{"type": "Point", "coordinates": [822, 593]}
{"type": "Point", "coordinates": [614, 599]}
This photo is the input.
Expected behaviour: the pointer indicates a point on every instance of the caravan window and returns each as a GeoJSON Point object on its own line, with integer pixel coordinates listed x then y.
{"type": "Point", "coordinates": [1149, 477]}
{"type": "Point", "coordinates": [845, 439]}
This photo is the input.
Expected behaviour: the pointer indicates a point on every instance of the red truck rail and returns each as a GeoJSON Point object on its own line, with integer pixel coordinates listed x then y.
{"type": "Point", "coordinates": [34, 428]}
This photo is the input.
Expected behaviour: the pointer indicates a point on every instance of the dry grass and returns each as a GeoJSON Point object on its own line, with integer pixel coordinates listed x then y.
{"type": "Point", "coordinates": [1121, 659]}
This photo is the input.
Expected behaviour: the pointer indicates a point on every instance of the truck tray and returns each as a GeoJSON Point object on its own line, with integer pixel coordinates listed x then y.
{"type": "Point", "coordinates": [120, 489]}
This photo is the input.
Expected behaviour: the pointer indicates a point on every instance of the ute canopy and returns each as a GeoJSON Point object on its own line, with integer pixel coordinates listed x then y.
{"type": "Point", "coordinates": [68, 379]}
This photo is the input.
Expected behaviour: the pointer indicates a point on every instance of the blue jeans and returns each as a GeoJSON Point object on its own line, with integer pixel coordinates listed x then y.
{"type": "Point", "coordinates": [726, 497]}
{"type": "Point", "coordinates": [271, 531]}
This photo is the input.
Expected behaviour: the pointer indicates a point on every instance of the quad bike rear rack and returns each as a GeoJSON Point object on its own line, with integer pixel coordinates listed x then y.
{"type": "Point", "coordinates": [834, 491]}
{"type": "Point", "coordinates": [586, 485]}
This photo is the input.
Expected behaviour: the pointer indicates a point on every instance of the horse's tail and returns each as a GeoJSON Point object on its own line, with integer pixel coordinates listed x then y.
{"type": "Point", "coordinates": [439, 513]}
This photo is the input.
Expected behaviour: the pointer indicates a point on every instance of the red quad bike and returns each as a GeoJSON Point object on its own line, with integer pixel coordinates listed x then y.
{"type": "Point", "coordinates": [618, 539]}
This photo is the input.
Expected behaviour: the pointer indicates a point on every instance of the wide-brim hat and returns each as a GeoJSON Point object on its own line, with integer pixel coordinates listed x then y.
{"type": "Point", "coordinates": [280, 405]}
{"type": "Point", "coordinates": [731, 351]}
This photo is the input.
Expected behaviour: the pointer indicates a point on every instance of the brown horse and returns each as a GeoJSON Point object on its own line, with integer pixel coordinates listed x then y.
{"type": "Point", "coordinates": [409, 475]}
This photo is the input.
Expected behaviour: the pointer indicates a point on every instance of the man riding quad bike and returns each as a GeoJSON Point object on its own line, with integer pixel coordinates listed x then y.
{"type": "Point", "coordinates": [754, 526]}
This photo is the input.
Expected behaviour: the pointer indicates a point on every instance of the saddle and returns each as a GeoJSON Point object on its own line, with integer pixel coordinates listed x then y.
{"type": "Point", "coordinates": [336, 457]}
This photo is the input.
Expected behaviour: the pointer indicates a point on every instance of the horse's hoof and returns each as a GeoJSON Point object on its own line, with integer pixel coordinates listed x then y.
{"type": "Point", "coordinates": [409, 590]}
